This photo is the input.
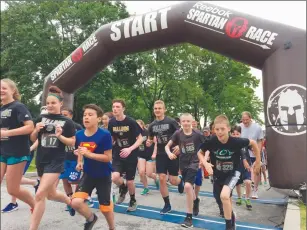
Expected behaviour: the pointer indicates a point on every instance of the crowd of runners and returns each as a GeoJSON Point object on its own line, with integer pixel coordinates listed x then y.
{"type": "Point", "coordinates": [111, 147]}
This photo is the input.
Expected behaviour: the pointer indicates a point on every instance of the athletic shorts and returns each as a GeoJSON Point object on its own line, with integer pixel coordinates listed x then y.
{"type": "Point", "coordinates": [27, 165]}
{"type": "Point", "coordinates": [199, 178]}
{"type": "Point", "coordinates": [146, 158]}
{"type": "Point", "coordinates": [70, 173]}
{"type": "Point", "coordinates": [128, 167]}
{"type": "Point", "coordinates": [230, 181]}
{"type": "Point", "coordinates": [9, 160]}
{"type": "Point", "coordinates": [253, 159]}
{"type": "Point", "coordinates": [245, 175]}
{"type": "Point", "coordinates": [54, 166]}
{"type": "Point", "coordinates": [189, 175]}
{"type": "Point", "coordinates": [103, 187]}
{"type": "Point", "coordinates": [164, 165]}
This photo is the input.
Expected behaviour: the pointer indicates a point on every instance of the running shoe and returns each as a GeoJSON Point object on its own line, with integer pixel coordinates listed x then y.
{"type": "Point", "coordinates": [122, 195]}
{"type": "Point", "coordinates": [187, 223]}
{"type": "Point", "coordinates": [145, 191]}
{"type": "Point", "coordinates": [90, 225]}
{"type": "Point", "coordinates": [248, 204]}
{"type": "Point", "coordinates": [167, 208]}
{"type": "Point", "coordinates": [132, 206]}
{"type": "Point", "coordinates": [239, 201]}
{"type": "Point", "coordinates": [10, 208]}
{"type": "Point", "coordinates": [71, 211]}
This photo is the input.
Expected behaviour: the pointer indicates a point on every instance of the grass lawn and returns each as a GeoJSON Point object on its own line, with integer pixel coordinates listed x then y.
{"type": "Point", "coordinates": [303, 216]}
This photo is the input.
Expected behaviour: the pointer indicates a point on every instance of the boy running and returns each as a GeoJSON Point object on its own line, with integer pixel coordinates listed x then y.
{"type": "Point", "coordinates": [163, 128]}
{"type": "Point", "coordinates": [127, 136]}
{"type": "Point", "coordinates": [189, 141]}
{"type": "Point", "coordinates": [225, 152]}
{"type": "Point", "coordinates": [95, 146]}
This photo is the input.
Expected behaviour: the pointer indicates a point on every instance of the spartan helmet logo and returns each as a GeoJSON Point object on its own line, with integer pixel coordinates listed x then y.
{"type": "Point", "coordinates": [291, 108]}
{"type": "Point", "coordinates": [286, 110]}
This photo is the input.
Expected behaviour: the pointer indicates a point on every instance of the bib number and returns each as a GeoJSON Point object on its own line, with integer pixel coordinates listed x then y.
{"type": "Point", "coordinates": [224, 166]}
{"type": "Point", "coordinates": [141, 147]}
{"type": "Point", "coordinates": [49, 141]}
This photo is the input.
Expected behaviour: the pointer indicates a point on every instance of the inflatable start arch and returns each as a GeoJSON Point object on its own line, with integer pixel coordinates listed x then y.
{"type": "Point", "coordinates": [278, 50]}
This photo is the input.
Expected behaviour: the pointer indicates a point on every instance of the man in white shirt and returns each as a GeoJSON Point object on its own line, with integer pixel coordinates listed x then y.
{"type": "Point", "coordinates": [252, 131]}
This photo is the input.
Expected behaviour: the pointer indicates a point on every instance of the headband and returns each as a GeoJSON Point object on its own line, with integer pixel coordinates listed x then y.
{"type": "Point", "coordinates": [55, 95]}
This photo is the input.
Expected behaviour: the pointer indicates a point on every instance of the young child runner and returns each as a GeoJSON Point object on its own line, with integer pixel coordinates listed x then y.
{"type": "Point", "coordinates": [146, 164]}
{"type": "Point", "coordinates": [94, 146]}
{"type": "Point", "coordinates": [106, 119]}
{"type": "Point", "coordinates": [245, 172]}
{"type": "Point", "coordinates": [225, 152]}
{"type": "Point", "coordinates": [53, 132]}
{"type": "Point", "coordinates": [127, 136]}
{"type": "Point", "coordinates": [163, 128]}
{"type": "Point", "coordinates": [70, 175]}
{"type": "Point", "coordinates": [16, 127]}
{"type": "Point", "coordinates": [189, 140]}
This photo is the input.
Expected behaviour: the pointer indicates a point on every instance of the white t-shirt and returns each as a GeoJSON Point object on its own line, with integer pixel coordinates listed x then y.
{"type": "Point", "coordinates": [253, 132]}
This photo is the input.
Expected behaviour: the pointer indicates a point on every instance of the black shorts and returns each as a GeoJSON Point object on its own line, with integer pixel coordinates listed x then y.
{"type": "Point", "coordinates": [145, 157]}
{"type": "Point", "coordinates": [164, 165]}
{"type": "Point", "coordinates": [102, 185]}
{"type": "Point", "coordinates": [55, 166]}
{"type": "Point", "coordinates": [128, 167]}
{"type": "Point", "coordinates": [231, 180]}
{"type": "Point", "coordinates": [189, 175]}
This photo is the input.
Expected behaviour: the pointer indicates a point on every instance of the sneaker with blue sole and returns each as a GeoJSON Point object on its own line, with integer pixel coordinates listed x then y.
{"type": "Point", "coordinates": [10, 208]}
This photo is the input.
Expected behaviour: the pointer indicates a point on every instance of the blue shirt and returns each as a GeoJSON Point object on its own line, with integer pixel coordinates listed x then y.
{"type": "Point", "coordinates": [98, 143]}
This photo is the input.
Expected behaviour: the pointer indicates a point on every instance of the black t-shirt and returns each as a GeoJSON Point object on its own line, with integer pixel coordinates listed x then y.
{"type": "Point", "coordinates": [163, 130]}
{"type": "Point", "coordinates": [70, 156]}
{"type": "Point", "coordinates": [145, 151]}
{"type": "Point", "coordinates": [49, 146]}
{"type": "Point", "coordinates": [189, 146]}
{"type": "Point", "coordinates": [124, 134]}
{"type": "Point", "coordinates": [226, 157]}
{"type": "Point", "coordinates": [13, 116]}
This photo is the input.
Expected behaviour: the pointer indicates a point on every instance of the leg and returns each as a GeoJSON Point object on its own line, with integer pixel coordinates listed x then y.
{"type": "Point", "coordinates": [173, 169]}
{"type": "Point", "coordinates": [13, 178]}
{"type": "Point", "coordinates": [3, 168]}
{"type": "Point", "coordinates": [227, 206]}
{"type": "Point", "coordinates": [130, 168]}
{"type": "Point", "coordinates": [188, 188]}
{"type": "Point", "coordinates": [28, 181]}
{"type": "Point", "coordinates": [48, 183]}
{"type": "Point", "coordinates": [67, 187]}
{"type": "Point", "coordinates": [142, 173]}
{"type": "Point", "coordinates": [150, 172]}
{"type": "Point", "coordinates": [106, 206]}
{"type": "Point", "coordinates": [217, 189]}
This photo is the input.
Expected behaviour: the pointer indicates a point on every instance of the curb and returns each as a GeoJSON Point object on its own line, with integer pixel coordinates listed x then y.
{"type": "Point", "coordinates": [293, 216]}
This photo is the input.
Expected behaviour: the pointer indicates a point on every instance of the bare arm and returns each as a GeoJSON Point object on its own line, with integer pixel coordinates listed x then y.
{"type": "Point", "coordinates": [34, 146]}
{"type": "Point", "coordinates": [168, 146]}
{"type": "Point", "coordinates": [69, 141]}
{"type": "Point", "coordinates": [138, 142]}
{"type": "Point", "coordinates": [24, 130]}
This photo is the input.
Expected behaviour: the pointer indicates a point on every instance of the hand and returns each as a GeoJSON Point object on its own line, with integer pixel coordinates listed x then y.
{"type": "Point", "coordinates": [256, 167]}
{"type": "Point", "coordinates": [172, 156]}
{"type": "Point", "coordinates": [58, 131]}
{"type": "Point", "coordinates": [39, 126]}
{"type": "Point", "coordinates": [176, 150]}
{"type": "Point", "coordinates": [154, 155]}
{"type": "Point", "coordinates": [4, 133]}
{"type": "Point", "coordinates": [149, 142]}
{"type": "Point", "coordinates": [124, 153]}
{"type": "Point", "coordinates": [84, 151]}
{"type": "Point", "coordinates": [79, 167]}
{"type": "Point", "coordinates": [208, 167]}
{"type": "Point", "coordinates": [246, 165]}
{"type": "Point", "coordinates": [76, 152]}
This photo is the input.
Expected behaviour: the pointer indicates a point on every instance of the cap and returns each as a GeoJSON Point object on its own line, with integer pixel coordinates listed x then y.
{"type": "Point", "coordinates": [206, 129]}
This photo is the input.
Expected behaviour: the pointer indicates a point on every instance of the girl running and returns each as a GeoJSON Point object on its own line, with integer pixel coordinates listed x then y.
{"type": "Point", "coordinates": [16, 126]}
{"type": "Point", "coordinates": [146, 163]}
{"type": "Point", "coordinates": [53, 132]}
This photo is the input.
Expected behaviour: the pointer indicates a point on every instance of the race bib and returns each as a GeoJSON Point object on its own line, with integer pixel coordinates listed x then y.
{"type": "Point", "coordinates": [162, 139]}
{"type": "Point", "coordinates": [49, 141]}
{"type": "Point", "coordinates": [224, 166]}
{"type": "Point", "coordinates": [142, 147]}
{"type": "Point", "coordinates": [4, 138]}
{"type": "Point", "coordinates": [69, 149]}
{"type": "Point", "coordinates": [123, 143]}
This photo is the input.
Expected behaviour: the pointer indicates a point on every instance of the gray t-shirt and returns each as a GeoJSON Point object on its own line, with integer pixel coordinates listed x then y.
{"type": "Point", "coordinates": [189, 146]}
{"type": "Point", "coordinates": [253, 132]}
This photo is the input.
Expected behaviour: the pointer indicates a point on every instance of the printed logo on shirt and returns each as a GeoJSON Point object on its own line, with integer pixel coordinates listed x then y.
{"type": "Point", "coordinates": [48, 121]}
{"type": "Point", "coordinates": [6, 113]}
{"type": "Point", "coordinates": [160, 128]}
{"type": "Point", "coordinates": [223, 154]}
{"type": "Point", "coordinates": [27, 115]}
{"type": "Point", "coordinates": [121, 129]}
{"type": "Point", "coordinates": [91, 146]}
